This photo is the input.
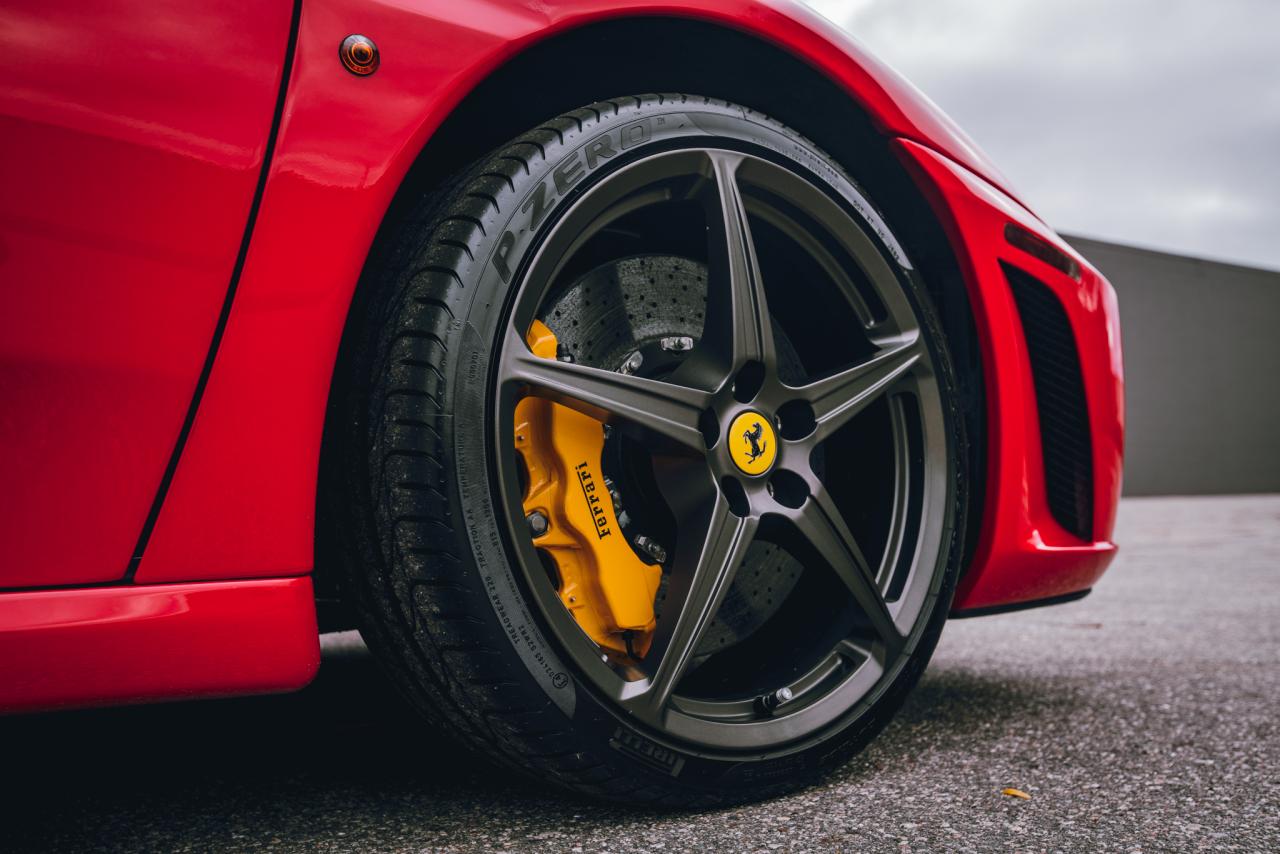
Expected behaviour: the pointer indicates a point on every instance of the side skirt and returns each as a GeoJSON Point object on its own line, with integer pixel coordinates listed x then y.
{"type": "Point", "coordinates": [140, 643]}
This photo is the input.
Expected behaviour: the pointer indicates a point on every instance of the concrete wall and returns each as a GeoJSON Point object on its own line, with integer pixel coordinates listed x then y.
{"type": "Point", "coordinates": [1202, 371]}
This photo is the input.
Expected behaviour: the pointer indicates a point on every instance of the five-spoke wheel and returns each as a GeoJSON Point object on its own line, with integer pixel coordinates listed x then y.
{"type": "Point", "coordinates": [728, 486]}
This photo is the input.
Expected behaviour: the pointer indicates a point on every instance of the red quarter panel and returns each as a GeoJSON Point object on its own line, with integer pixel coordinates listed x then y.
{"type": "Point", "coordinates": [131, 140]}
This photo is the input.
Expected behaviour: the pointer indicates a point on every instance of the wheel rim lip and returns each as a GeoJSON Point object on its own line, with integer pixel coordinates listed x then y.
{"type": "Point", "coordinates": [690, 720]}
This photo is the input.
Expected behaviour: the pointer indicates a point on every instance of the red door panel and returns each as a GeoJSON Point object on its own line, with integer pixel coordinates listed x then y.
{"type": "Point", "coordinates": [131, 141]}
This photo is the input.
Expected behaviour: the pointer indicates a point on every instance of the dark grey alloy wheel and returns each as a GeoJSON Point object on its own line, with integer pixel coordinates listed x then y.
{"type": "Point", "coordinates": [720, 265]}
{"type": "Point", "coordinates": [684, 418]}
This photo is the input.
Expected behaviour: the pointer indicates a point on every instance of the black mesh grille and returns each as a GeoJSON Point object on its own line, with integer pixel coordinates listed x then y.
{"type": "Point", "coordinates": [1064, 414]}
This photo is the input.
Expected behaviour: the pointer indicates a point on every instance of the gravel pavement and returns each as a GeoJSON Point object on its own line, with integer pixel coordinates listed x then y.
{"type": "Point", "coordinates": [1143, 718]}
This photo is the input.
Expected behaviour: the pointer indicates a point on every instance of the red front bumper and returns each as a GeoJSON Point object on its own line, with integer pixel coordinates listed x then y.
{"type": "Point", "coordinates": [1023, 553]}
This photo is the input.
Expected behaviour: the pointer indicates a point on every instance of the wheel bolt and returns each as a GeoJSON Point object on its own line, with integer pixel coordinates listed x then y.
{"type": "Point", "coordinates": [538, 523]}
{"type": "Point", "coordinates": [651, 547]}
{"type": "Point", "coordinates": [677, 343]}
{"type": "Point", "coordinates": [632, 364]}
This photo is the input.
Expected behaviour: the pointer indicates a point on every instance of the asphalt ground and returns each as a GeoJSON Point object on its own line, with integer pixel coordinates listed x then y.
{"type": "Point", "coordinates": [1144, 718]}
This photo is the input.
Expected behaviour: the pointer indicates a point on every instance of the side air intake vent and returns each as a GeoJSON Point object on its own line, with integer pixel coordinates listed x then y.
{"type": "Point", "coordinates": [1064, 414]}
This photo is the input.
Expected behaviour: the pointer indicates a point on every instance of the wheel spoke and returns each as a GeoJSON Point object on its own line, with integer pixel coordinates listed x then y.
{"type": "Point", "coordinates": [737, 314]}
{"type": "Point", "coordinates": [664, 408]}
{"type": "Point", "coordinates": [703, 571]}
{"type": "Point", "coordinates": [839, 397]}
{"type": "Point", "coordinates": [820, 524]}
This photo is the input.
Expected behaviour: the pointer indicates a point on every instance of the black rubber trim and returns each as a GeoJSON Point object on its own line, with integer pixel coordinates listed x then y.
{"type": "Point", "coordinates": [276, 119]}
{"type": "Point", "coordinates": [1020, 606]}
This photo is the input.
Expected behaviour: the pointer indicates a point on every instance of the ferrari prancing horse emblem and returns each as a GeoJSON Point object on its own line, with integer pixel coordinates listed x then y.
{"type": "Point", "coordinates": [752, 443]}
{"type": "Point", "coordinates": [753, 436]}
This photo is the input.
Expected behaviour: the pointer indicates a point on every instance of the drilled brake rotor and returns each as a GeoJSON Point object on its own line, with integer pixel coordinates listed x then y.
{"type": "Point", "coordinates": [640, 314]}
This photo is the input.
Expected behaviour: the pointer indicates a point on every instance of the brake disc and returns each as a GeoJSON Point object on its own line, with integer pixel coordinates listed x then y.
{"type": "Point", "coordinates": [643, 314]}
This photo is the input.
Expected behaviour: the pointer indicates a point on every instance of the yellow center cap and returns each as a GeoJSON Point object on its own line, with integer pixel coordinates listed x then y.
{"type": "Point", "coordinates": [752, 443]}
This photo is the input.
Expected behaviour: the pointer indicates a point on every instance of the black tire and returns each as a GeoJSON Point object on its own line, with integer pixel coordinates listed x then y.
{"type": "Point", "coordinates": [431, 571]}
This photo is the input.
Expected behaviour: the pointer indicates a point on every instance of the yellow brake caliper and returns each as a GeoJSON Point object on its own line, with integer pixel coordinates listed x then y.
{"type": "Point", "coordinates": [607, 588]}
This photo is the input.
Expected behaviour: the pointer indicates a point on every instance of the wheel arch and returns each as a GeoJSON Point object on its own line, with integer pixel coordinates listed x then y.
{"type": "Point", "coordinates": [713, 60]}
{"type": "Point", "coordinates": [454, 83]}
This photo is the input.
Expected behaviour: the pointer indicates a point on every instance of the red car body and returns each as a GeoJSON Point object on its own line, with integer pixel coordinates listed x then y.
{"type": "Point", "coordinates": [192, 188]}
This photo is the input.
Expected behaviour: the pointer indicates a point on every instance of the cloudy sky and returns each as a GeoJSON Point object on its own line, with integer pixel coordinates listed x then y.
{"type": "Point", "coordinates": [1152, 122]}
